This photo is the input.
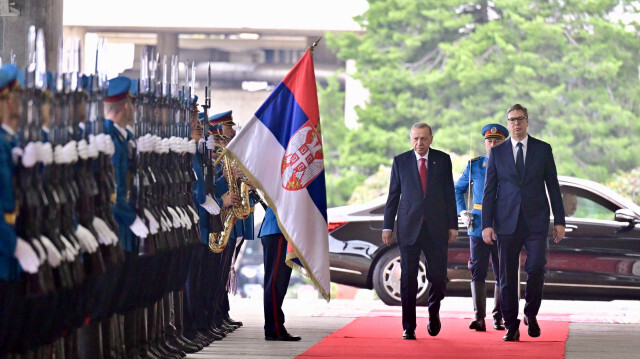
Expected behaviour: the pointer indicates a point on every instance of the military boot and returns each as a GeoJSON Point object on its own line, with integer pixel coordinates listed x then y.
{"type": "Point", "coordinates": [479, 295]}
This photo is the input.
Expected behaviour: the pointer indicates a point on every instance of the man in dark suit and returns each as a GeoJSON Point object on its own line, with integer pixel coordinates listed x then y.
{"type": "Point", "coordinates": [515, 213]}
{"type": "Point", "coordinates": [421, 193]}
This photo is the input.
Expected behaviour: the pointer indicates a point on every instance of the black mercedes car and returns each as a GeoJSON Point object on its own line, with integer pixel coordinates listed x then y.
{"type": "Point", "coordinates": [599, 258]}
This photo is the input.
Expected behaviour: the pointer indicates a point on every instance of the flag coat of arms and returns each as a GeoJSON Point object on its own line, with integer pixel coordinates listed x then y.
{"type": "Point", "coordinates": [280, 150]}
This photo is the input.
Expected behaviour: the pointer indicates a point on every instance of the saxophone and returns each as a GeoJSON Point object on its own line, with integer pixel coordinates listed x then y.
{"type": "Point", "coordinates": [240, 186]}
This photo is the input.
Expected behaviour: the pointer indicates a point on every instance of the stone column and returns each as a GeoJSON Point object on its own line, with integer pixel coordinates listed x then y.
{"type": "Point", "coordinates": [167, 44]}
{"type": "Point", "coordinates": [44, 14]}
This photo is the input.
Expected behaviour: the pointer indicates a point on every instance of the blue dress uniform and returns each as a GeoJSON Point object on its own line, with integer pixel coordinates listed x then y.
{"type": "Point", "coordinates": [11, 294]}
{"type": "Point", "coordinates": [200, 280]}
{"type": "Point", "coordinates": [8, 264]}
{"type": "Point", "coordinates": [276, 278]}
{"type": "Point", "coordinates": [123, 213]}
{"type": "Point", "coordinates": [480, 252]}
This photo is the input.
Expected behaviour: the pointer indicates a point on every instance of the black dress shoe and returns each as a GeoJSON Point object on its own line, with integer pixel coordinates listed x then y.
{"type": "Point", "coordinates": [534, 328]}
{"type": "Point", "coordinates": [478, 325]}
{"type": "Point", "coordinates": [498, 324]}
{"type": "Point", "coordinates": [434, 325]}
{"type": "Point", "coordinates": [513, 335]}
{"type": "Point", "coordinates": [234, 322]}
{"type": "Point", "coordinates": [409, 334]}
{"type": "Point", "coordinates": [286, 337]}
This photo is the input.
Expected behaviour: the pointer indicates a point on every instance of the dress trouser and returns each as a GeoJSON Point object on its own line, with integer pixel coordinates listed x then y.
{"type": "Point", "coordinates": [435, 252]}
{"type": "Point", "coordinates": [479, 265]}
{"type": "Point", "coordinates": [509, 247]}
{"type": "Point", "coordinates": [276, 281]}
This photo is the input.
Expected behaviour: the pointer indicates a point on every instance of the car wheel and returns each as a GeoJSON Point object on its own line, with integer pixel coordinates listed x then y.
{"type": "Point", "coordinates": [386, 279]}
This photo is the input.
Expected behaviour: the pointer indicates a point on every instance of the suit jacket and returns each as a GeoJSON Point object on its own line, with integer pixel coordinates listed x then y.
{"type": "Point", "coordinates": [505, 194]}
{"type": "Point", "coordinates": [438, 206]}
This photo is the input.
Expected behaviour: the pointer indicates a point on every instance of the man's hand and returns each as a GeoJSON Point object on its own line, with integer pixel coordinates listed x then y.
{"type": "Point", "coordinates": [558, 233]}
{"type": "Point", "coordinates": [231, 200]}
{"type": "Point", "coordinates": [386, 237]}
{"type": "Point", "coordinates": [488, 236]}
{"type": "Point", "coordinates": [453, 235]}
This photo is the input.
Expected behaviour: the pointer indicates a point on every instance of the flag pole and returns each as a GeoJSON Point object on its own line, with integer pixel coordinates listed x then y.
{"type": "Point", "coordinates": [315, 43]}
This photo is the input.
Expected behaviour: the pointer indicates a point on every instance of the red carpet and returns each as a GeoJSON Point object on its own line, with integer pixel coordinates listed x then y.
{"type": "Point", "coordinates": [381, 337]}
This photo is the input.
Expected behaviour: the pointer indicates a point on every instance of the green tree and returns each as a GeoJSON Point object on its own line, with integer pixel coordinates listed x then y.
{"type": "Point", "coordinates": [341, 179]}
{"type": "Point", "coordinates": [460, 64]}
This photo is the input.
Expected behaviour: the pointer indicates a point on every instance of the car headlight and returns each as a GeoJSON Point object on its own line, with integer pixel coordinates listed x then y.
{"type": "Point", "coordinates": [249, 272]}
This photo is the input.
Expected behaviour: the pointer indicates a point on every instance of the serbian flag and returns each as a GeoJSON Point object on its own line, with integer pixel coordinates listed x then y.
{"type": "Point", "coordinates": [280, 150]}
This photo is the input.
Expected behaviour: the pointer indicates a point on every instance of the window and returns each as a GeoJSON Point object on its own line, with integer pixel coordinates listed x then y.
{"type": "Point", "coordinates": [584, 204]}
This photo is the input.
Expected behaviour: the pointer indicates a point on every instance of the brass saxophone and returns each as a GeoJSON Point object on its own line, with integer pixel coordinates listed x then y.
{"type": "Point", "coordinates": [240, 186]}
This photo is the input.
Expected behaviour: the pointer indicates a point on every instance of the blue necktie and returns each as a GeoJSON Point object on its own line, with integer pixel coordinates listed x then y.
{"type": "Point", "coordinates": [520, 160]}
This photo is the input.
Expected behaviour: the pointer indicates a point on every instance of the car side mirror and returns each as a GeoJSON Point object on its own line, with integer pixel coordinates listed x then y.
{"type": "Point", "coordinates": [625, 215]}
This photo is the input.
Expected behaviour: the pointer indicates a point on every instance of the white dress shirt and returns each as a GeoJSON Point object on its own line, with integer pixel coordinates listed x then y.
{"type": "Point", "coordinates": [514, 146]}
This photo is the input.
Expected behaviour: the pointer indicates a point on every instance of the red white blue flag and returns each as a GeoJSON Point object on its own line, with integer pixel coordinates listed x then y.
{"type": "Point", "coordinates": [280, 149]}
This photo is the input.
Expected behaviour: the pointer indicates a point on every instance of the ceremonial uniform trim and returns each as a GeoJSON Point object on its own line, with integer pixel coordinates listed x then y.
{"type": "Point", "coordinates": [10, 218]}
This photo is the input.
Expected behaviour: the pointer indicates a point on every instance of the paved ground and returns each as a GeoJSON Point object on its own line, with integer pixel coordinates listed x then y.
{"type": "Point", "coordinates": [597, 329]}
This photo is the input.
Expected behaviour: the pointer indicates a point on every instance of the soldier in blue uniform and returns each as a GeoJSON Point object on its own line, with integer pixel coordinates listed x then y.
{"type": "Point", "coordinates": [118, 113]}
{"type": "Point", "coordinates": [204, 273]}
{"type": "Point", "coordinates": [474, 173]}
{"type": "Point", "coordinates": [221, 318]}
{"type": "Point", "coordinates": [276, 278]}
{"type": "Point", "coordinates": [16, 254]}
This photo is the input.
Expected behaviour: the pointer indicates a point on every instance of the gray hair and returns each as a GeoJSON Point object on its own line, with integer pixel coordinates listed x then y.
{"type": "Point", "coordinates": [419, 126]}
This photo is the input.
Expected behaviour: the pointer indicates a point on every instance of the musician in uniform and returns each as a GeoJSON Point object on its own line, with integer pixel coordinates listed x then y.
{"type": "Point", "coordinates": [474, 173]}
{"type": "Point", "coordinates": [202, 279]}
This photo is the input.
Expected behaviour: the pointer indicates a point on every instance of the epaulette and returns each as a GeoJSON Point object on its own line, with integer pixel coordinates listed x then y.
{"type": "Point", "coordinates": [475, 159]}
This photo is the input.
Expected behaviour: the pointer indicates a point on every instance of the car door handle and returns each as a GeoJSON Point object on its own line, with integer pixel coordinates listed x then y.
{"type": "Point", "coordinates": [569, 228]}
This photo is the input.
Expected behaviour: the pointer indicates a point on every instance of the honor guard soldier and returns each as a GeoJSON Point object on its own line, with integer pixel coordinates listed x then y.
{"type": "Point", "coordinates": [226, 120]}
{"type": "Point", "coordinates": [119, 113]}
{"type": "Point", "coordinates": [202, 280]}
{"type": "Point", "coordinates": [276, 278]}
{"type": "Point", "coordinates": [474, 173]}
{"type": "Point", "coordinates": [16, 254]}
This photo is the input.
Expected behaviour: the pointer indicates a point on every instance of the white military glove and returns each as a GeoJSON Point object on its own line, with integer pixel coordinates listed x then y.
{"type": "Point", "coordinates": [153, 223]}
{"type": "Point", "coordinates": [53, 254]}
{"type": "Point", "coordinates": [16, 154]}
{"type": "Point", "coordinates": [26, 256]}
{"type": "Point", "coordinates": [185, 217]}
{"type": "Point", "coordinates": [201, 144]}
{"type": "Point", "coordinates": [210, 144]}
{"type": "Point", "coordinates": [467, 218]}
{"type": "Point", "coordinates": [88, 242]}
{"type": "Point", "coordinates": [191, 146]}
{"type": "Point", "coordinates": [164, 224]}
{"type": "Point", "coordinates": [194, 215]}
{"type": "Point", "coordinates": [105, 235]}
{"type": "Point", "coordinates": [177, 222]}
{"type": "Point", "coordinates": [42, 254]}
{"type": "Point", "coordinates": [30, 155]}
{"type": "Point", "coordinates": [139, 228]}
{"type": "Point", "coordinates": [69, 253]}
{"type": "Point", "coordinates": [211, 205]}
